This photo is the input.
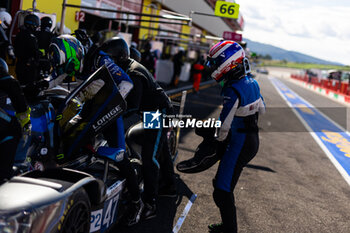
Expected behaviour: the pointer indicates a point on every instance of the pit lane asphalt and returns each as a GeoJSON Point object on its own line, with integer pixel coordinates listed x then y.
{"type": "Point", "coordinates": [290, 186]}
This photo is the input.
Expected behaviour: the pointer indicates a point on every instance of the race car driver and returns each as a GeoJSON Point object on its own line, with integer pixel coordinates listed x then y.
{"type": "Point", "coordinates": [242, 104]}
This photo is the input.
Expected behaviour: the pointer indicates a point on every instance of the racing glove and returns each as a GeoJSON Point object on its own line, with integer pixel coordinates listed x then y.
{"type": "Point", "coordinates": [11, 54]}
{"type": "Point", "coordinates": [24, 117]}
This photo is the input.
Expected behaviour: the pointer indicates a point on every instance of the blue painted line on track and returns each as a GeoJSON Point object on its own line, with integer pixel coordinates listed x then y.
{"type": "Point", "coordinates": [333, 139]}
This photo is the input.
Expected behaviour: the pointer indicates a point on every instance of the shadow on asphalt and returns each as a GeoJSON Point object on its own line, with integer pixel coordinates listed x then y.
{"type": "Point", "coordinates": [267, 169]}
{"type": "Point", "coordinates": [187, 149]}
{"type": "Point", "coordinates": [166, 211]}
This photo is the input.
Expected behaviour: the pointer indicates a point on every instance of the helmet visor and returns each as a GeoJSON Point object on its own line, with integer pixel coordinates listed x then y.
{"type": "Point", "coordinates": [216, 68]}
{"type": "Point", "coordinates": [211, 65]}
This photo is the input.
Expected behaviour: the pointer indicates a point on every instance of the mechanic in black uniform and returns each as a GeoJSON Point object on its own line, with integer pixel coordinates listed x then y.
{"type": "Point", "coordinates": [10, 126]}
{"type": "Point", "coordinates": [147, 58]}
{"type": "Point", "coordinates": [114, 133]}
{"type": "Point", "coordinates": [147, 95]}
{"type": "Point", "coordinates": [27, 53]}
{"type": "Point", "coordinates": [45, 35]}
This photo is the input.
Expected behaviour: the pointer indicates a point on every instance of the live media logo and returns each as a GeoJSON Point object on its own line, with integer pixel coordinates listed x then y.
{"type": "Point", "coordinates": [152, 120]}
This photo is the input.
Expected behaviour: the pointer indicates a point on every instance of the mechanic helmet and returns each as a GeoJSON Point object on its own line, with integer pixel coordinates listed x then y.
{"type": "Point", "coordinates": [243, 44]}
{"type": "Point", "coordinates": [133, 44]}
{"type": "Point", "coordinates": [5, 19]}
{"type": "Point", "coordinates": [96, 38]}
{"type": "Point", "coordinates": [46, 22]}
{"type": "Point", "coordinates": [148, 46]}
{"type": "Point", "coordinates": [226, 60]}
{"type": "Point", "coordinates": [31, 22]}
{"type": "Point", "coordinates": [3, 66]}
{"type": "Point", "coordinates": [135, 54]}
{"type": "Point", "coordinates": [117, 49]}
{"type": "Point", "coordinates": [66, 54]}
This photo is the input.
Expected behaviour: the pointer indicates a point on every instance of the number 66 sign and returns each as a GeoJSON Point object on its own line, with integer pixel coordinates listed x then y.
{"type": "Point", "coordinates": [226, 9]}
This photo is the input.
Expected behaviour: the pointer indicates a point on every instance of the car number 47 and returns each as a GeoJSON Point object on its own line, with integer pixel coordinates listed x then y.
{"type": "Point", "coordinates": [104, 217]}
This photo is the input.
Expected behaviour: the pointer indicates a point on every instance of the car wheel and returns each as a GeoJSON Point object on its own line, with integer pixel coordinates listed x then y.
{"type": "Point", "coordinates": [171, 139]}
{"type": "Point", "coordinates": [76, 217]}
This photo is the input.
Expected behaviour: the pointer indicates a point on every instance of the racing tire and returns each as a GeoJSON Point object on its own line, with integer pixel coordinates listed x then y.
{"type": "Point", "coordinates": [171, 140]}
{"type": "Point", "coordinates": [76, 217]}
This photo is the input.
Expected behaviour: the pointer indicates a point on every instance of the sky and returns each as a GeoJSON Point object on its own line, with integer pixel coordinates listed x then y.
{"type": "Point", "coordinates": [318, 28]}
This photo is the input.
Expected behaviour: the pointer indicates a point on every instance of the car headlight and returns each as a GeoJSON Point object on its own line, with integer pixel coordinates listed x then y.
{"type": "Point", "coordinates": [17, 223]}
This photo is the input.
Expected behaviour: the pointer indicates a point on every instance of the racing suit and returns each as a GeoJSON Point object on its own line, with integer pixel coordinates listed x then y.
{"type": "Point", "coordinates": [27, 53]}
{"type": "Point", "coordinates": [197, 75]}
{"type": "Point", "coordinates": [239, 116]}
{"type": "Point", "coordinates": [147, 95]}
{"type": "Point", "coordinates": [44, 37]}
{"type": "Point", "coordinates": [147, 60]}
{"type": "Point", "coordinates": [114, 134]}
{"type": "Point", "coordinates": [10, 127]}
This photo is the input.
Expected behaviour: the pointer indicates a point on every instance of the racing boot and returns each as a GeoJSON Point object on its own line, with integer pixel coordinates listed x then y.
{"type": "Point", "coordinates": [217, 228]}
{"type": "Point", "coordinates": [150, 211]}
{"type": "Point", "coordinates": [134, 211]}
{"type": "Point", "coordinates": [167, 191]}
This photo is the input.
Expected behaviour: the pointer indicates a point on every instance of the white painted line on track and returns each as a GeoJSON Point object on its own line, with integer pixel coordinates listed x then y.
{"type": "Point", "coordinates": [183, 216]}
{"type": "Point", "coordinates": [315, 137]}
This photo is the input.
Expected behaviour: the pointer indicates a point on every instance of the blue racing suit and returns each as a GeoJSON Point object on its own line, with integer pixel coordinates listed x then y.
{"type": "Point", "coordinates": [239, 117]}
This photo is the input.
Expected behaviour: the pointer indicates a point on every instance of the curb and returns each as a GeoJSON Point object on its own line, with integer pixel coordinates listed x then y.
{"type": "Point", "coordinates": [345, 99]}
